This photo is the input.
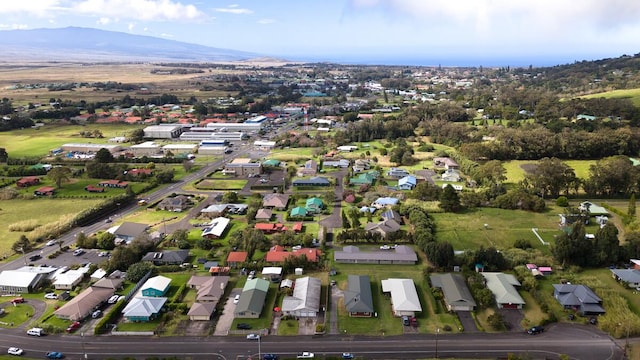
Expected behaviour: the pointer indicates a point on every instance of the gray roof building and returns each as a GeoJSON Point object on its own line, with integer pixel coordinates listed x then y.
{"type": "Point", "coordinates": [305, 300]}
{"type": "Point", "coordinates": [402, 254]}
{"type": "Point", "coordinates": [167, 257]}
{"type": "Point", "coordinates": [252, 299]}
{"type": "Point", "coordinates": [358, 299]}
{"type": "Point", "coordinates": [578, 297]}
{"type": "Point", "coordinates": [456, 293]}
{"type": "Point", "coordinates": [503, 288]}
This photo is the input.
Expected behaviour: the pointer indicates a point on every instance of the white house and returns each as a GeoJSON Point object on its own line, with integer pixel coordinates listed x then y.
{"type": "Point", "coordinates": [68, 280]}
{"type": "Point", "coordinates": [305, 301]}
{"type": "Point", "coordinates": [404, 297]}
{"type": "Point", "coordinates": [216, 228]}
{"type": "Point", "coordinates": [347, 148]}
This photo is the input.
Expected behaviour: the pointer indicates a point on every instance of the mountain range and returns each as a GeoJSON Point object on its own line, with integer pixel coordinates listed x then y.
{"type": "Point", "coordinates": [88, 44]}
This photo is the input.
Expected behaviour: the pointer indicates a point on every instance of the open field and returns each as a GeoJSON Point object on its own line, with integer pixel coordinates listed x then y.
{"type": "Point", "coordinates": [38, 142]}
{"type": "Point", "coordinates": [13, 211]}
{"type": "Point", "coordinates": [515, 173]}
{"type": "Point", "coordinates": [633, 94]}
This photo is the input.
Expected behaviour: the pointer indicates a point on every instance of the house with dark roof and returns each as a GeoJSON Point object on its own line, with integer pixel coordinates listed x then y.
{"type": "Point", "coordinates": [127, 231]}
{"type": "Point", "coordinates": [313, 181]}
{"type": "Point", "coordinates": [384, 228]}
{"type": "Point", "coordinates": [358, 298]}
{"type": "Point", "coordinates": [167, 257]}
{"type": "Point", "coordinates": [402, 254]}
{"type": "Point", "coordinates": [579, 298]}
{"type": "Point", "coordinates": [457, 296]}
{"type": "Point", "coordinates": [631, 277]}
{"type": "Point", "coordinates": [177, 203]}
{"type": "Point", "coordinates": [391, 215]}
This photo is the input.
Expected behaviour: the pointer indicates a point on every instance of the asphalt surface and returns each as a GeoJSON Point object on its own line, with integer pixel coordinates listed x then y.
{"type": "Point", "coordinates": [577, 341]}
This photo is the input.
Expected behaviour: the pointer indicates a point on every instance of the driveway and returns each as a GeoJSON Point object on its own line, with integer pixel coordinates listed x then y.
{"type": "Point", "coordinates": [512, 319]}
{"type": "Point", "coordinates": [468, 324]}
{"type": "Point", "coordinates": [226, 318]}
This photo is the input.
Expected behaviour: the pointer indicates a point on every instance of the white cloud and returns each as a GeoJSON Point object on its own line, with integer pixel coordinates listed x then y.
{"type": "Point", "coordinates": [234, 9]}
{"type": "Point", "coordinates": [131, 26]}
{"type": "Point", "coordinates": [103, 21]}
{"type": "Point", "coordinates": [266, 21]}
{"type": "Point", "coordinates": [165, 35]}
{"type": "Point", "coordinates": [150, 10]}
{"type": "Point", "coordinates": [32, 7]}
{"type": "Point", "coordinates": [14, 26]}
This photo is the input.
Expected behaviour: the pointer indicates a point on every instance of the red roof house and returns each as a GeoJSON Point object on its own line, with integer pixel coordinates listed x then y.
{"type": "Point", "coordinates": [270, 228]}
{"type": "Point", "coordinates": [236, 257]}
{"type": "Point", "coordinates": [45, 191]}
{"type": "Point", "coordinates": [28, 181]}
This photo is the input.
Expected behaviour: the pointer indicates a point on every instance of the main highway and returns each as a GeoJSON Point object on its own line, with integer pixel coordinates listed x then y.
{"type": "Point", "coordinates": [576, 341]}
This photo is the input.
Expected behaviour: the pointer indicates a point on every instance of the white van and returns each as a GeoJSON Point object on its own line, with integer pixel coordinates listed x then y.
{"type": "Point", "coordinates": [35, 332]}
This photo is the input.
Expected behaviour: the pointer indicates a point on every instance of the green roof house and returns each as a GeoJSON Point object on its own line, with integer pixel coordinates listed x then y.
{"type": "Point", "coordinates": [252, 299]}
{"type": "Point", "coordinates": [298, 211]}
{"type": "Point", "coordinates": [314, 205]}
{"type": "Point", "coordinates": [367, 178]}
{"type": "Point", "coordinates": [271, 163]}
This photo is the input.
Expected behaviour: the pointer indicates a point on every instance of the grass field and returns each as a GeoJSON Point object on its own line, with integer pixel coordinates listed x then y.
{"type": "Point", "coordinates": [515, 173]}
{"type": "Point", "coordinates": [13, 211]}
{"type": "Point", "coordinates": [32, 142]}
{"type": "Point", "coordinates": [633, 94]}
{"type": "Point", "coordinates": [466, 230]}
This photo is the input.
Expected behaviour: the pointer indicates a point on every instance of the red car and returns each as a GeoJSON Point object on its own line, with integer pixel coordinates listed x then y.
{"type": "Point", "coordinates": [73, 327]}
{"type": "Point", "coordinates": [17, 300]}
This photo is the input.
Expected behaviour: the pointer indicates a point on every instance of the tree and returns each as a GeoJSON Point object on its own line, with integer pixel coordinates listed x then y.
{"type": "Point", "coordinates": [491, 172]}
{"type": "Point", "coordinates": [104, 156]}
{"type": "Point", "coordinates": [187, 165]}
{"type": "Point", "coordinates": [22, 245]}
{"type": "Point", "coordinates": [4, 156]}
{"type": "Point", "coordinates": [59, 175]}
{"type": "Point", "coordinates": [449, 200]}
{"type": "Point", "coordinates": [570, 247]}
{"type": "Point", "coordinates": [137, 271]}
{"type": "Point", "coordinates": [230, 197]}
{"type": "Point", "coordinates": [551, 177]}
{"type": "Point", "coordinates": [106, 241]}
{"type": "Point", "coordinates": [631, 211]}
{"type": "Point", "coordinates": [606, 247]}
{"type": "Point", "coordinates": [165, 176]}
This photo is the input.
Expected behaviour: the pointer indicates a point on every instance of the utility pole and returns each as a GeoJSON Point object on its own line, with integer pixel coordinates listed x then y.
{"type": "Point", "coordinates": [437, 332]}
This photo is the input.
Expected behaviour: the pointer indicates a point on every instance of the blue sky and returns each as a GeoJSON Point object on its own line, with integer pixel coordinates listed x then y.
{"type": "Point", "coordinates": [426, 32]}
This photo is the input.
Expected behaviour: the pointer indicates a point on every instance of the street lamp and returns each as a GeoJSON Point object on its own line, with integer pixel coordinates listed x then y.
{"type": "Point", "coordinates": [437, 332]}
{"type": "Point", "coordinates": [259, 350]}
{"type": "Point", "coordinates": [82, 343]}
{"type": "Point", "coordinates": [24, 256]}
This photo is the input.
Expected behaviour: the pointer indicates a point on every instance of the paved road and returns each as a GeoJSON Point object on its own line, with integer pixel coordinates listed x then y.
{"type": "Point", "coordinates": [577, 341]}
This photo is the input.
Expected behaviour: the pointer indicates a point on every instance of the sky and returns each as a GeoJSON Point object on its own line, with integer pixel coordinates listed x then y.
{"type": "Point", "coordinates": [411, 32]}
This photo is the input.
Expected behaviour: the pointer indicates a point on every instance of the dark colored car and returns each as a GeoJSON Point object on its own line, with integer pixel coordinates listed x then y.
{"type": "Point", "coordinates": [269, 357]}
{"type": "Point", "coordinates": [414, 322]}
{"type": "Point", "coordinates": [35, 257]}
{"type": "Point", "coordinates": [243, 326]}
{"type": "Point", "coordinates": [347, 356]}
{"type": "Point", "coordinates": [55, 355]}
{"type": "Point", "coordinates": [18, 300]}
{"type": "Point", "coordinates": [593, 320]}
{"type": "Point", "coordinates": [535, 330]}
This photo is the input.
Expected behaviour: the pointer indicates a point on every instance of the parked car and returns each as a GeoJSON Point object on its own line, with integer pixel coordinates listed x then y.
{"type": "Point", "coordinates": [305, 355]}
{"type": "Point", "coordinates": [51, 242]}
{"type": "Point", "coordinates": [51, 296]}
{"type": "Point", "coordinates": [103, 253]}
{"type": "Point", "coordinates": [535, 330]}
{"type": "Point", "coordinates": [78, 252]}
{"type": "Point", "coordinates": [113, 299]}
{"type": "Point", "coordinates": [18, 300]}
{"type": "Point", "coordinates": [593, 320]}
{"type": "Point", "coordinates": [15, 351]}
{"type": "Point", "coordinates": [414, 322]}
{"type": "Point", "coordinates": [385, 247]}
{"type": "Point", "coordinates": [347, 356]}
{"type": "Point", "coordinates": [35, 332]}
{"type": "Point", "coordinates": [96, 314]}
{"type": "Point", "coordinates": [406, 321]}
{"type": "Point", "coordinates": [253, 337]}
{"type": "Point", "coordinates": [74, 326]}
{"type": "Point", "coordinates": [269, 357]}
{"type": "Point", "coordinates": [236, 299]}
{"type": "Point", "coordinates": [243, 326]}
{"type": "Point", "coordinates": [55, 355]}
{"type": "Point", "coordinates": [35, 257]}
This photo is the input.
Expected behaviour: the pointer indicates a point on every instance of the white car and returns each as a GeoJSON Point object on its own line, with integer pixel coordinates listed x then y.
{"type": "Point", "coordinates": [113, 299]}
{"type": "Point", "coordinates": [385, 247]}
{"type": "Point", "coordinates": [103, 253]}
{"type": "Point", "coordinates": [253, 337]}
{"type": "Point", "coordinates": [35, 332]}
{"type": "Point", "coordinates": [236, 299]}
{"type": "Point", "coordinates": [305, 355]}
{"type": "Point", "coordinates": [51, 242]}
{"type": "Point", "coordinates": [51, 296]}
{"type": "Point", "coordinates": [15, 351]}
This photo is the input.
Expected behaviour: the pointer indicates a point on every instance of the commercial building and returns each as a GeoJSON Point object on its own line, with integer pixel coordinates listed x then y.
{"type": "Point", "coordinates": [166, 131]}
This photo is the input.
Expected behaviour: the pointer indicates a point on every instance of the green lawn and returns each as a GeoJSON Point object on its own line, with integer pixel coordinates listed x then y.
{"type": "Point", "coordinates": [232, 184]}
{"type": "Point", "coordinates": [467, 231]}
{"type": "Point", "coordinates": [515, 173]}
{"type": "Point", "coordinates": [633, 94]}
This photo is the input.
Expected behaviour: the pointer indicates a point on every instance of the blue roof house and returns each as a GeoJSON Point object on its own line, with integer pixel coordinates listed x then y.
{"type": "Point", "coordinates": [407, 182]}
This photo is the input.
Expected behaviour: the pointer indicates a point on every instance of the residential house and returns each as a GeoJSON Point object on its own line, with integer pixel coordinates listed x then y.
{"type": "Point", "coordinates": [457, 296]}
{"type": "Point", "coordinates": [384, 228]}
{"type": "Point", "coordinates": [94, 189]}
{"type": "Point", "coordinates": [361, 165]}
{"type": "Point", "coordinates": [503, 288]}
{"type": "Point", "coordinates": [367, 178]}
{"type": "Point", "coordinates": [240, 167]}
{"type": "Point", "coordinates": [274, 273]}
{"type": "Point", "coordinates": [314, 181]}
{"type": "Point", "coordinates": [127, 231]}
{"type": "Point", "coordinates": [208, 288]}
{"type": "Point", "coordinates": [114, 184]}
{"type": "Point", "coordinates": [45, 191]}
{"type": "Point", "coordinates": [298, 212]}
{"type": "Point", "coordinates": [216, 228]}
{"type": "Point", "coordinates": [28, 181]}
{"type": "Point", "coordinates": [347, 148]}
{"type": "Point", "coordinates": [201, 311]}
{"type": "Point", "coordinates": [593, 209]}
{"type": "Point", "coordinates": [143, 308]}
{"type": "Point", "coordinates": [579, 298]}
{"type": "Point", "coordinates": [404, 297]}
{"type": "Point", "coordinates": [176, 203]}
{"type": "Point", "coordinates": [383, 202]}
{"type": "Point", "coordinates": [407, 183]}
{"type": "Point", "coordinates": [69, 279]}
{"type": "Point", "coordinates": [358, 298]}
{"type": "Point", "coordinates": [167, 257]}
{"type": "Point", "coordinates": [264, 215]}
{"type": "Point", "coordinates": [275, 201]}
{"type": "Point", "coordinates": [215, 210]}
{"type": "Point", "coordinates": [236, 257]}
{"type": "Point", "coordinates": [631, 277]}
{"type": "Point", "coordinates": [402, 254]}
{"type": "Point", "coordinates": [305, 300]}
{"type": "Point", "coordinates": [252, 299]}
{"type": "Point", "coordinates": [310, 168]}
{"type": "Point", "coordinates": [314, 205]}
{"type": "Point", "coordinates": [451, 175]}
{"type": "Point", "coordinates": [140, 172]}
{"type": "Point", "coordinates": [445, 162]}
{"type": "Point", "coordinates": [277, 254]}
{"type": "Point", "coordinates": [156, 286]}
{"type": "Point", "coordinates": [341, 163]}
{"type": "Point", "coordinates": [397, 173]}
{"type": "Point", "coordinates": [270, 228]}
{"type": "Point", "coordinates": [83, 304]}
{"type": "Point", "coordinates": [391, 215]}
